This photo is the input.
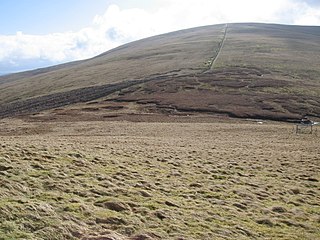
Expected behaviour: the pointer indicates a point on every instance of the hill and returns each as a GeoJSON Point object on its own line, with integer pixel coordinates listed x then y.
{"type": "Point", "coordinates": [263, 71]}
{"type": "Point", "coordinates": [71, 168]}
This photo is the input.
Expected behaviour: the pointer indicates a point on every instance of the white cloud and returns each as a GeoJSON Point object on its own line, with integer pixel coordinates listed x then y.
{"type": "Point", "coordinates": [306, 15]}
{"type": "Point", "coordinates": [118, 26]}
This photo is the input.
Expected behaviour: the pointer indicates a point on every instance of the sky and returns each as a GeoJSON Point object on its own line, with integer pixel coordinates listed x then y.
{"type": "Point", "coordinates": [40, 33]}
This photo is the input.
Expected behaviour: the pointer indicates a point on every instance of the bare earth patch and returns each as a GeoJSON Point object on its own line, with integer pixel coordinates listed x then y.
{"type": "Point", "coordinates": [125, 180]}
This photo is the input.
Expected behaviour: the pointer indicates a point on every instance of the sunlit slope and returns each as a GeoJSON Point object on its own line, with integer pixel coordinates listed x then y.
{"type": "Point", "coordinates": [261, 71]}
{"type": "Point", "coordinates": [248, 70]}
{"type": "Point", "coordinates": [287, 52]}
{"type": "Point", "coordinates": [183, 51]}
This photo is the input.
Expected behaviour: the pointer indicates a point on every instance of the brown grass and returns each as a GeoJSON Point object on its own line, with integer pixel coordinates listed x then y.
{"type": "Point", "coordinates": [214, 180]}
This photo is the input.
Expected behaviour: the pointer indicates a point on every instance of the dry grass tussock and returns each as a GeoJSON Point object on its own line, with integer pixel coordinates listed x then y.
{"type": "Point", "coordinates": [122, 180]}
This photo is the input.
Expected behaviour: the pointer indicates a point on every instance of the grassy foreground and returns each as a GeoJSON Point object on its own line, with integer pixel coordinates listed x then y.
{"type": "Point", "coordinates": [122, 180]}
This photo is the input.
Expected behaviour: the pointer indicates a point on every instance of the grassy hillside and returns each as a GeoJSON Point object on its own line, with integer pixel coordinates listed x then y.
{"type": "Point", "coordinates": [241, 70]}
{"type": "Point", "coordinates": [262, 71]}
{"type": "Point", "coordinates": [182, 51]}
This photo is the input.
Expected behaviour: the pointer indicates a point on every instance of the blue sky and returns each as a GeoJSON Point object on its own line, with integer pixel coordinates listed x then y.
{"type": "Point", "coordinates": [38, 33]}
{"type": "Point", "coordinates": [48, 16]}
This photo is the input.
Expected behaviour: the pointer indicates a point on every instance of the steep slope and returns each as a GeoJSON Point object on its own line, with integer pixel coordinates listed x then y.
{"type": "Point", "coordinates": [241, 70]}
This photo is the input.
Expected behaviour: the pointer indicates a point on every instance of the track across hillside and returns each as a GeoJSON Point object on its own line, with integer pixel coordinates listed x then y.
{"type": "Point", "coordinates": [220, 48]}
{"type": "Point", "coordinates": [221, 44]}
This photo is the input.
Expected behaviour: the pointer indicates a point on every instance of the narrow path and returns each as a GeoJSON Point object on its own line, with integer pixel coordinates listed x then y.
{"type": "Point", "coordinates": [220, 49]}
